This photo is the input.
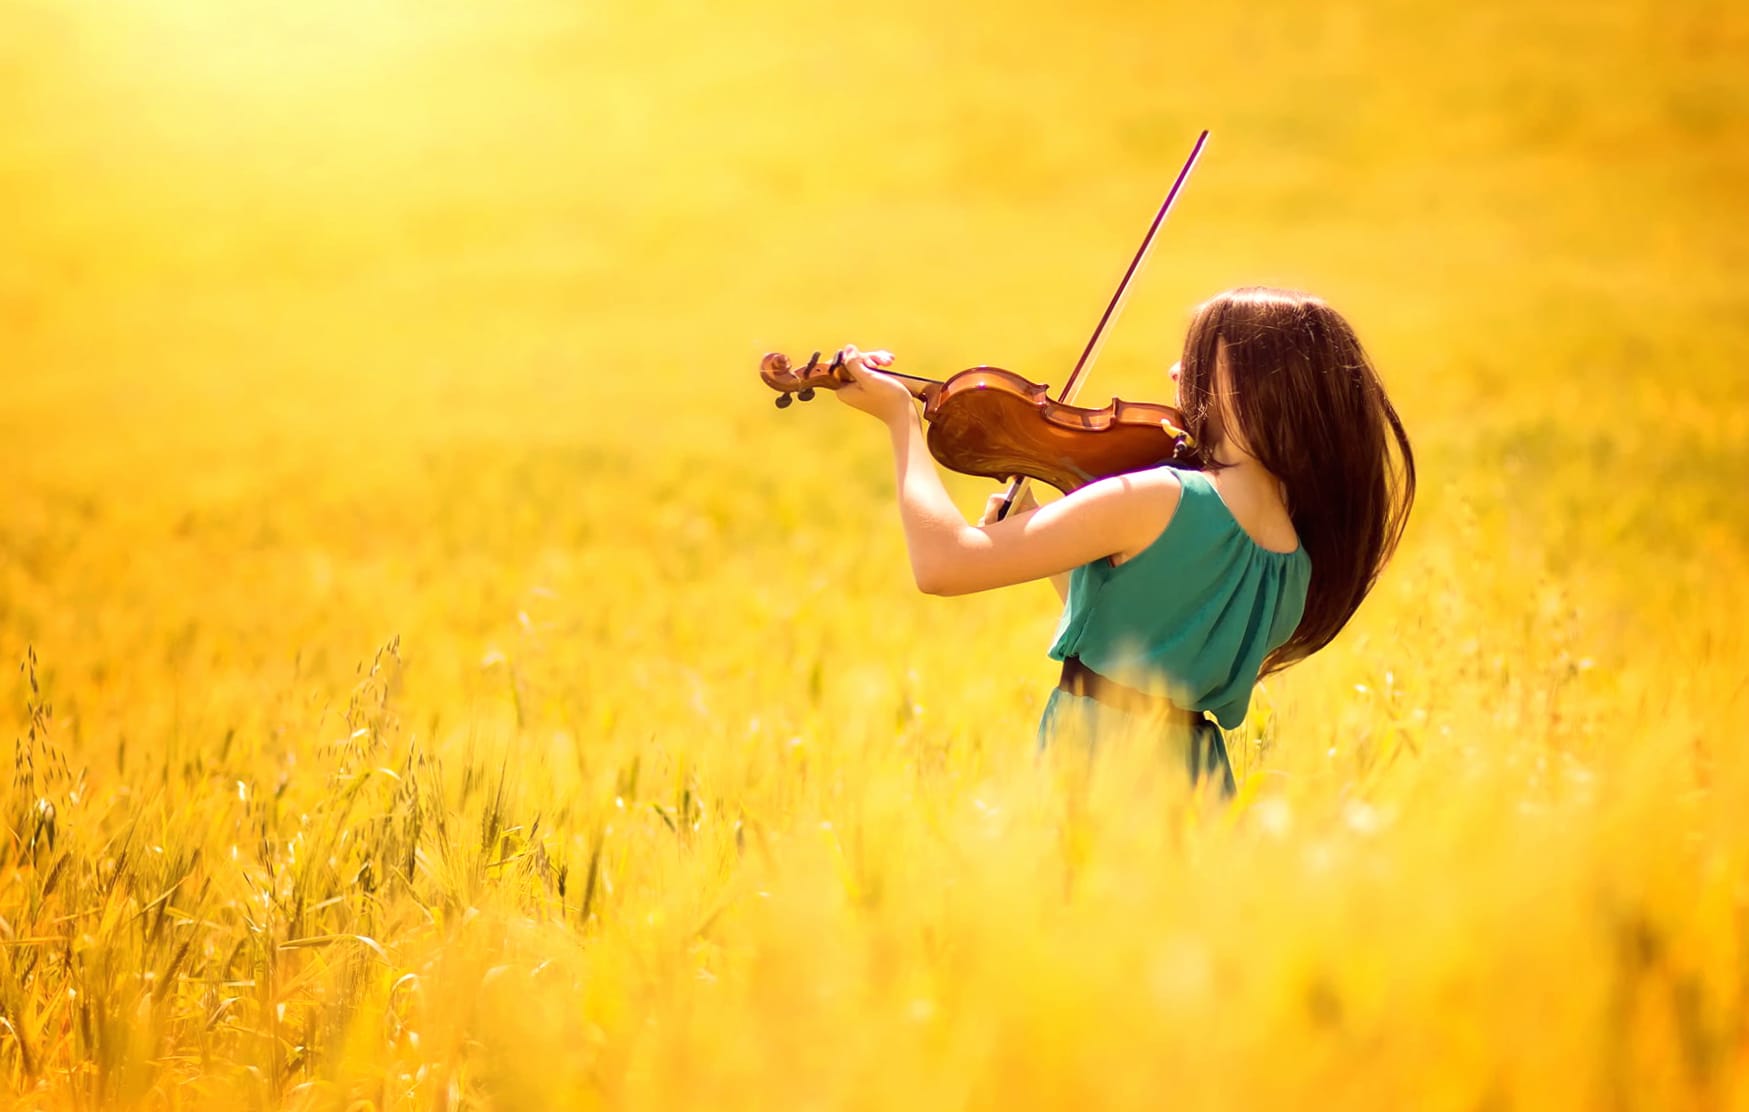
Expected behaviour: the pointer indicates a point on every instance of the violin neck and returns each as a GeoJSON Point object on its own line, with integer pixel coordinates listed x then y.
{"type": "Point", "coordinates": [921, 388]}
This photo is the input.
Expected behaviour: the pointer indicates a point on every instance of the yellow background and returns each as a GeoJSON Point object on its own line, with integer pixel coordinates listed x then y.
{"type": "Point", "coordinates": [324, 325]}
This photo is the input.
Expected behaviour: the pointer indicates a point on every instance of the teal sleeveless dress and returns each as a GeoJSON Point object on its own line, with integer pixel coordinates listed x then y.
{"type": "Point", "coordinates": [1190, 617]}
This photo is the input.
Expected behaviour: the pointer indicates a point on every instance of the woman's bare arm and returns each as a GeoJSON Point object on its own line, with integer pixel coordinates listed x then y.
{"type": "Point", "coordinates": [1024, 505]}
{"type": "Point", "coordinates": [949, 556]}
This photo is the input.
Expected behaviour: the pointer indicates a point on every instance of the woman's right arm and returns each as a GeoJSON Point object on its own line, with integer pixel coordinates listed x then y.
{"type": "Point", "coordinates": [949, 555]}
{"type": "Point", "coordinates": [1024, 505]}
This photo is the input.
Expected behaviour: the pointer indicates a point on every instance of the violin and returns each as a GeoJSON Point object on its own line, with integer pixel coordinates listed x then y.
{"type": "Point", "coordinates": [991, 422]}
{"type": "Point", "coordinates": [994, 423]}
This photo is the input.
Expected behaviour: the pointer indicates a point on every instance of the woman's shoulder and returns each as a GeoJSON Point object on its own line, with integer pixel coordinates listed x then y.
{"type": "Point", "coordinates": [1151, 500]}
{"type": "Point", "coordinates": [1157, 489]}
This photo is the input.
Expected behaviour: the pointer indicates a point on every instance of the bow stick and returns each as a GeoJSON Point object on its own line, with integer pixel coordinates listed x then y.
{"type": "Point", "coordinates": [1091, 352]}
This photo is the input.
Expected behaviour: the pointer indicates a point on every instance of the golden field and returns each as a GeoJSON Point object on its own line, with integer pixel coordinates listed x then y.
{"type": "Point", "coordinates": [443, 680]}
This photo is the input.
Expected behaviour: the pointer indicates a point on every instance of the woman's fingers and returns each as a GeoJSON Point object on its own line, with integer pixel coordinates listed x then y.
{"type": "Point", "coordinates": [864, 360]}
{"type": "Point", "coordinates": [869, 390]}
{"type": "Point", "coordinates": [854, 362]}
{"type": "Point", "coordinates": [992, 507]}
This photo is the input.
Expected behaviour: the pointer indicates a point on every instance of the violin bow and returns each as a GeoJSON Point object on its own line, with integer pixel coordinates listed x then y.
{"type": "Point", "coordinates": [1091, 352]}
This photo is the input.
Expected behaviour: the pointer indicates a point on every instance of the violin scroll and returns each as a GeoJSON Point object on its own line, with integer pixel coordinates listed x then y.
{"type": "Point", "coordinates": [793, 385]}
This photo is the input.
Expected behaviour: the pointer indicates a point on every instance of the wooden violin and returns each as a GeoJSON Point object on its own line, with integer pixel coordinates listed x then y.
{"type": "Point", "coordinates": [988, 421]}
{"type": "Point", "coordinates": [994, 423]}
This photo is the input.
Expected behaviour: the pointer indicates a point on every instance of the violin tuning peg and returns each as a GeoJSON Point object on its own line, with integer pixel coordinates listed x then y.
{"type": "Point", "coordinates": [806, 394]}
{"type": "Point", "coordinates": [837, 362]}
{"type": "Point", "coordinates": [813, 361]}
{"type": "Point", "coordinates": [783, 401]}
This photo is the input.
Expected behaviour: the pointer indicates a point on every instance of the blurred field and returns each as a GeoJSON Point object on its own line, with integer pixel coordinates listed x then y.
{"type": "Point", "coordinates": [468, 692]}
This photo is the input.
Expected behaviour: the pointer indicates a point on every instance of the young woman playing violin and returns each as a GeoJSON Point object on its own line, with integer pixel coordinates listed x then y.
{"type": "Point", "coordinates": [1183, 587]}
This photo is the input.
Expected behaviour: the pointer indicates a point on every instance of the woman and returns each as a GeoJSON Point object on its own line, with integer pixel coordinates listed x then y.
{"type": "Point", "coordinates": [1184, 588]}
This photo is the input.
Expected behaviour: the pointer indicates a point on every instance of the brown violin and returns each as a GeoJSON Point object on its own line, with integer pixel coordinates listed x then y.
{"type": "Point", "coordinates": [994, 423]}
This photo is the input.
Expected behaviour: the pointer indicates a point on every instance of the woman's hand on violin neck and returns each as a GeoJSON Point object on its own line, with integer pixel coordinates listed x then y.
{"type": "Point", "coordinates": [874, 393]}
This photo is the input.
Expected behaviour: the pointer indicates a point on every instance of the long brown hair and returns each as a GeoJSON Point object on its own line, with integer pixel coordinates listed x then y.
{"type": "Point", "coordinates": [1310, 406]}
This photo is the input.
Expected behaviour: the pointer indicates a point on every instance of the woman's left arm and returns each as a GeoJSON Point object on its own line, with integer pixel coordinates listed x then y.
{"type": "Point", "coordinates": [950, 556]}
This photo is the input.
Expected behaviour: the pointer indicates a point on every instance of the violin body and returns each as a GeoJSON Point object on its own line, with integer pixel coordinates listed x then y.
{"type": "Point", "coordinates": [990, 422]}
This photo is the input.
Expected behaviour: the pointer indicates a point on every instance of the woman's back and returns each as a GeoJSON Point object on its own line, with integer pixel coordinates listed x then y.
{"type": "Point", "coordinates": [1191, 616]}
